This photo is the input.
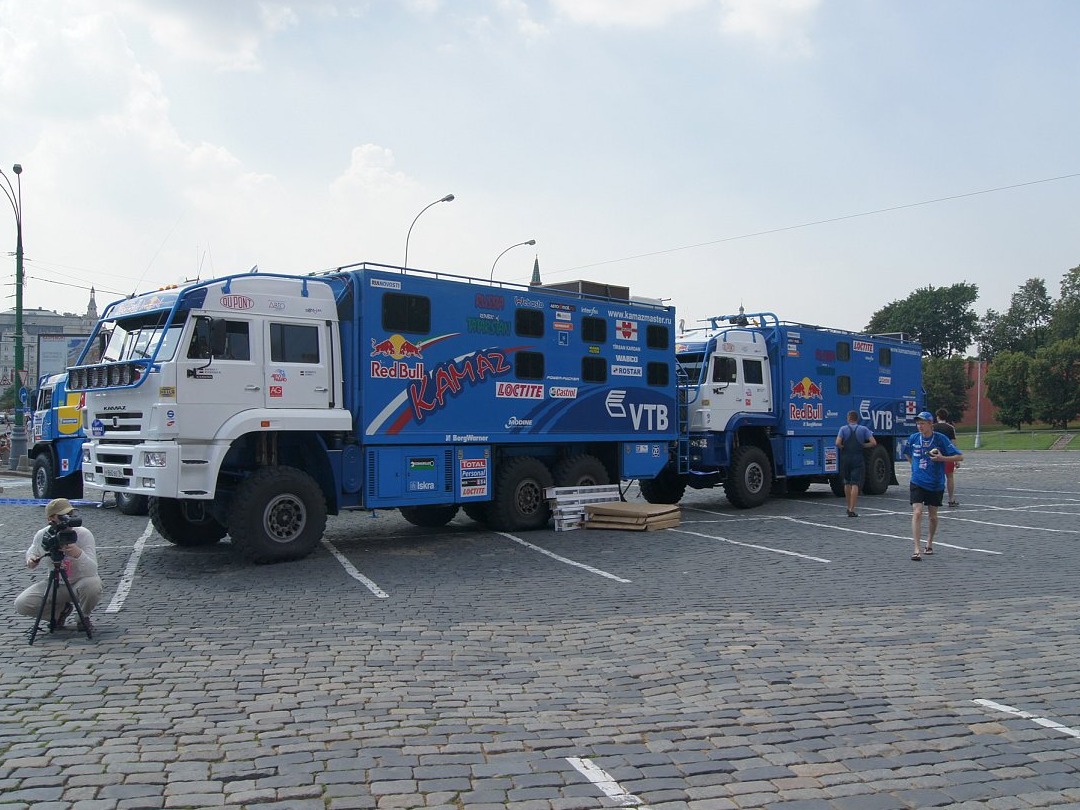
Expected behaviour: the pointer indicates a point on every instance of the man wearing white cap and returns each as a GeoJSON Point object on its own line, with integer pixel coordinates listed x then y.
{"type": "Point", "coordinates": [929, 451]}
{"type": "Point", "coordinates": [79, 562]}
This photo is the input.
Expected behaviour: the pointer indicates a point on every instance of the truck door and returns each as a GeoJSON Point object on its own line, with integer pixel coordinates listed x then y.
{"type": "Point", "coordinates": [736, 384]}
{"type": "Point", "coordinates": [233, 379]}
{"type": "Point", "coordinates": [298, 371]}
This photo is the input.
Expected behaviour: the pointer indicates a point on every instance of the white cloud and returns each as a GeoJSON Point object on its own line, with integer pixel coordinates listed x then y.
{"type": "Point", "coordinates": [630, 13]}
{"type": "Point", "coordinates": [778, 25]}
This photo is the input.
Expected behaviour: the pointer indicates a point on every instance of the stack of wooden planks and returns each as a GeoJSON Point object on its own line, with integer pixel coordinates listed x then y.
{"type": "Point", "coordinates": [634, 517]}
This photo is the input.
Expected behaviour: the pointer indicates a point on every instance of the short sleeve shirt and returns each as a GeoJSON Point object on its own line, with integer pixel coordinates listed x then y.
{"type": "Point", "coordinates": [926, 473]}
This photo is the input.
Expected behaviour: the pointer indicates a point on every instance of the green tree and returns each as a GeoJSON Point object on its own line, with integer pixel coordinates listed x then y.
{"type": "Point", "coordinates": [1007, 387]}
{"type": "Point", "coordinates": [941, 319]}
{"type": "Point", "coordinates": [1065, 316]}
{"type": "Point", "coordinates": [1023, 327]}
{"type": "Point", "coordinates": [946, 383]}
{"type": "Point", "coordinates": [1055, 383]}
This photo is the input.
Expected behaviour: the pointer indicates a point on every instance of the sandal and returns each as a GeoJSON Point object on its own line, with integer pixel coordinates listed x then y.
{"type": "Point", "coordinates": [916, 557]}
{"type": "Point", "coordinates": [929, 550]}
{"type": "Point", "coordinates": [954, 503]}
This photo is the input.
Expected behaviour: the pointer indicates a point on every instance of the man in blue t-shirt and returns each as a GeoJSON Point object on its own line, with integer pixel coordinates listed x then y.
{"type": "Point", "coordinates": [929, 452]}
{"type": "Point", "coordinates": [852, 439]}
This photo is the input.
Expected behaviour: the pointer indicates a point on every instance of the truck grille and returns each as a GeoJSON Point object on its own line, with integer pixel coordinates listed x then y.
{"type": "Point", "coordinates": [116, 422]}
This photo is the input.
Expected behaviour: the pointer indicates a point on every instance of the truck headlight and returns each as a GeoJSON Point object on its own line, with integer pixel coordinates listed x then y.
{"type": "Point", "coordinates": [153, 459]}
{"type": "Point", "coordinates": [86, 454]}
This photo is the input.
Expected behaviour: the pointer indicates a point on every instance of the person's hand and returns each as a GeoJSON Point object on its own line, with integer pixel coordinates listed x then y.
{"type": "Point", "coordinates": [935, 454]}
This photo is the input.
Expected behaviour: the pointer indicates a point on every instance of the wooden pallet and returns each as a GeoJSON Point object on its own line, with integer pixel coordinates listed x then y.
{"type": "Point", "coordinates": [568, 503]}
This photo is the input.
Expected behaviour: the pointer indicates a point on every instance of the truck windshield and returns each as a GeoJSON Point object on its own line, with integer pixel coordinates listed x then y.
{"type": "Point", "coordinates": [138, 338]}
{"type": "Point", "coordinates": [692, 363]}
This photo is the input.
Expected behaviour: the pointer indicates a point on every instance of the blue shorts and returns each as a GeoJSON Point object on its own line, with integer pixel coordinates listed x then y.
{"type": "Point", "coordinates": [930, 497]}
{"type": "Point", "coordinates": [852, 472]}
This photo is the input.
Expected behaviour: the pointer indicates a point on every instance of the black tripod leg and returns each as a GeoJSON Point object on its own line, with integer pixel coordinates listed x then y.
{"type": "Point", "coordinates": [50, 588]}
{"type": "Point", "coordinates": [75, 602]}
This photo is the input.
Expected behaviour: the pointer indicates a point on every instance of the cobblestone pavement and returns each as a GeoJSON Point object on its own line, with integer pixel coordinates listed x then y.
{"type": "Point", "coordinates": [784, 657]}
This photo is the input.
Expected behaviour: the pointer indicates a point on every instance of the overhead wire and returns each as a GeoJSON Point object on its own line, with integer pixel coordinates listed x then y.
{"type": "Point", "coordinates": [841, 218]}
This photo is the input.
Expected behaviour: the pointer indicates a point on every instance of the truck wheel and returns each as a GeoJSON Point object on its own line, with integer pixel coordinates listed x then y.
{"type": "Point", "coordinates": [185, 523]}
{"type": "Point", "coordinates": [277, 514]}
{"type": "Point", "coordinates": [128, 504]}
{"type": "Point", "coordinates": [878, 471]}
{"type": "Point", "coordinates": [476, 511]}
{"type": "Point", "coordinates": [429, 517]}
{"type": "Point", "coordinates": [43, 481]}
{"type": "Point", "coordinates": [837, 486]}
{"type": "Point", "coordinates": [580, 471]}
{"type": "Point", "coordinates": [667, 487]}
{"type": "Point", "coordinates": [749, 480]}
{"type": "Point", "coordinates": [519, 502]}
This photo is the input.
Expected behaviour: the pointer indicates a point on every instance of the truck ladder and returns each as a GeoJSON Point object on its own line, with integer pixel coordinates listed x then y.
{"type": "Point", "coordinates": [682, 419]}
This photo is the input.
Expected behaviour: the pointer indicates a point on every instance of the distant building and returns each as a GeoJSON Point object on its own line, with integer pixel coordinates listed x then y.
{"type": "Point", "coordinates": [38, 322]}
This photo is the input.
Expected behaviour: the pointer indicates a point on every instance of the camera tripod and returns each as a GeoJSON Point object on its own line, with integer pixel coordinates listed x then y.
{"type": "Point", "coordinates": [56, 576]}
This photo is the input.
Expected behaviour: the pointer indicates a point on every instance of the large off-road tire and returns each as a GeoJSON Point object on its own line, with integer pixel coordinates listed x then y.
{"type": "Point", "coordinates": [277, 514]}
{"type": "Point", "coordinates": [128, 504]}
{"type": "Point", "coordinates": [429, 517]}
{"type": "Point", "coordinates": [47, 486]}
{"type": "Point", "coordinates": [749, 480]}
{"type": "Point", "coordinates": [519, 503]}
{"type": "Point", "coordinates": [580, 471]}
{"type": "Point", "coordinates": [667, 487]}
{"type": "Point", "coordinates": [185, 523]}
{"type": "Point", "coordinates": [42, 477]}
{"type": "Point", "coordinates": [878, 471]}
{"type": "Point", "coordinates": [836, 484]}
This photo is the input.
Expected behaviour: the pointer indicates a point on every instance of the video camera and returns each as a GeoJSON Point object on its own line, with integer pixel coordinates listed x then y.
{"type": "Point", "coordinates": [61, 534]}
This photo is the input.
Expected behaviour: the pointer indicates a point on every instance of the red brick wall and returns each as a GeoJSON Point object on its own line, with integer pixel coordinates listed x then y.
{"type": "Point", "coordinates": [986, 409]}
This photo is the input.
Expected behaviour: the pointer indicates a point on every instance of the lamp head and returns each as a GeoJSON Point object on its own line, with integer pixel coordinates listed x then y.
{"type": "Point", "coordinates": [447, 198]}
{"type": "Point", "coordinates": [531, 242]}
{"type": "Point", "coordinates": [17, 168]}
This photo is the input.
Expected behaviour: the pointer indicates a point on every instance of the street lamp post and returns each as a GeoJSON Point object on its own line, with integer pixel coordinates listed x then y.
{"type": "Point", "coordinates": [447, 198]}
{"type": "Point", "coordinates": [14, 195]}
{"type": "Point", "coordinates": [519, 244]}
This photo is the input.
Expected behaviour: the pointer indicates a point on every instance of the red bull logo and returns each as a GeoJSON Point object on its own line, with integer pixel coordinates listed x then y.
{"type": "Point", "coordinates": [396, 347]}
{"type": "Point", "coordinates": [805, 389]}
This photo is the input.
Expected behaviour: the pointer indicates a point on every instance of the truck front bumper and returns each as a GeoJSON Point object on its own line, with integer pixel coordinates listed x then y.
{"type": "Point", "coordinates": [155, 469]}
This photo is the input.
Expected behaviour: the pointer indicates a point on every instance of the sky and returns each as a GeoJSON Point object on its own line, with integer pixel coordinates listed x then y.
{"type": "Point", "coordinates": [816, 159]}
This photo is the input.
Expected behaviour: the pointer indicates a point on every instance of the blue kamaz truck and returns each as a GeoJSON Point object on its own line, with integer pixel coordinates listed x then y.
{"type": "Point", "coordinates": [257, 404]}
{"type": "Point", "coordinates": [765, 400]}
{"type": "Point", "coordinates": [56, 450]}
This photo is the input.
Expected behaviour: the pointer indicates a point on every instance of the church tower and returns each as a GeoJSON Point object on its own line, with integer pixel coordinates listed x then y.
{"type": "Point", "coordinates": [91, 308]}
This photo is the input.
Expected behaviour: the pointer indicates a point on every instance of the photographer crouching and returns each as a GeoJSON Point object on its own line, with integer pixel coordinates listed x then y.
{"type": "Point", "coordinates": [66, 542]}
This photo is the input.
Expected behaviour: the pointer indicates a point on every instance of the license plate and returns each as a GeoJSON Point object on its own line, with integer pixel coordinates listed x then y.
{"type": "Point", "coordinates": [114, 472]}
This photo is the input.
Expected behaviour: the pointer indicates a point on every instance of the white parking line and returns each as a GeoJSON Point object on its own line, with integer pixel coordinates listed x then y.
{"type": "Point", "coordinates": [566, 560]}
{"type": "Point", "coordinates": [937, 542]}
{"type": "Point", "coordinates": [1042, 721]}
{"type": "Point", "coordinates": [128, 577]}
{"type": "Point", "coordinates": [752, 545]}
{"type": "Point", "coordinates": [610, 788]}
{"type": "Point", "coordinates": [351, 570]}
